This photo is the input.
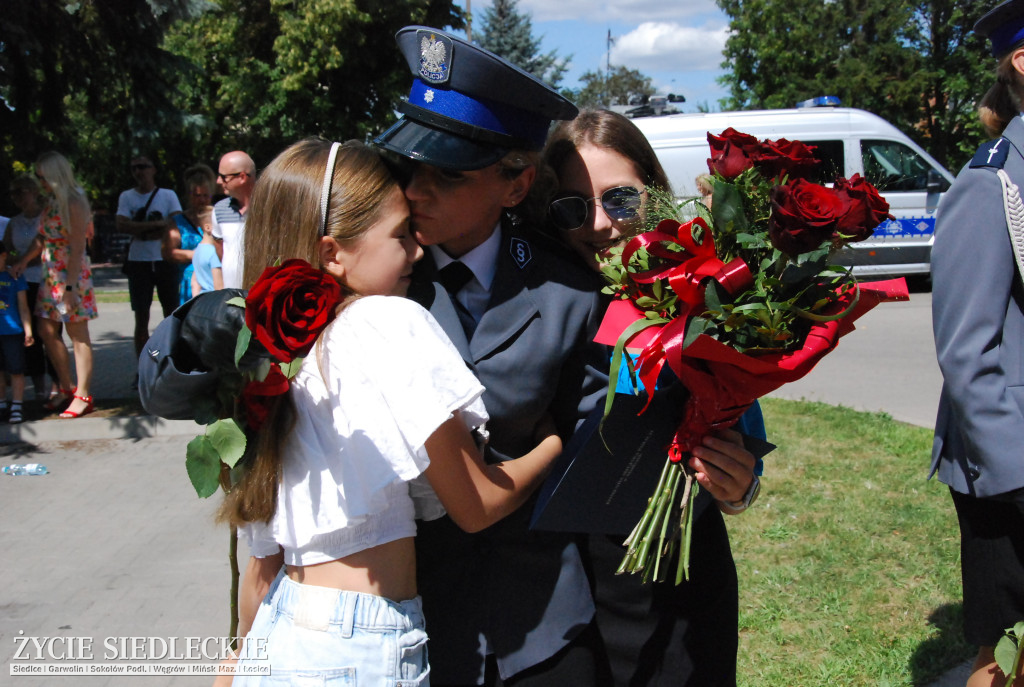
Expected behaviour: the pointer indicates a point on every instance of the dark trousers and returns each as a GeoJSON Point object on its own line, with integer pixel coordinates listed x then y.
{"type": "Point", "coordinates": [144, 276]}
{"type": "Point", "coordinates": [659, 634]}
{"type": "Point", "coordinates": [36, 362]}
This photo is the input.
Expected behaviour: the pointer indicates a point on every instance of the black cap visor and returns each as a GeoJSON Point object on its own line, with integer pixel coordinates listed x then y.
{"type": "Point", "coordinates": [438, 147]}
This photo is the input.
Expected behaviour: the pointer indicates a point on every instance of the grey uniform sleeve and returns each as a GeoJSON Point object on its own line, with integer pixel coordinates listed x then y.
{"type": "Point", "coordinates": [973, 274]}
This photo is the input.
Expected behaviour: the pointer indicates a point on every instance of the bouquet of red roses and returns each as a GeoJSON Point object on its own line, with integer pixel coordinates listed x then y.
{"type": "Point", "coordinates": [736, 302]}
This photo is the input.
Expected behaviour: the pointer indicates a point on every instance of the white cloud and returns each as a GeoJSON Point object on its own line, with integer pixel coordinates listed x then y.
{"type": "Point", "coordinates": [669, 46]}
{"type": "Point", "coordinates": [630, 11]}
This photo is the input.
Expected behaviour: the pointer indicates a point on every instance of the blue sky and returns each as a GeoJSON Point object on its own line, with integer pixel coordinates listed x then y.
{"type": "Point", "coordinates": [678, 43]}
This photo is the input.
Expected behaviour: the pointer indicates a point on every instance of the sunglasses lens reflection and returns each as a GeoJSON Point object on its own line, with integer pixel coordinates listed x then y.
{"type": "Point", "coordinates": [622, 202]}
{"type": "Point", "coordinates": [568, 213]}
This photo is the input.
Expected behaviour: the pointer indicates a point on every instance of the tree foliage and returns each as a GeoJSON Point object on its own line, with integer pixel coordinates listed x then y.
{"type": "Point", "coordinates": [269, 72]}
{"type": "Point", "coordinates": [187, 80]}
{"type": "Point", "coordinates": [620, 87]}
{"type": "Point", "coordinates": [509, 33]}
{"type": "Point", "coordinates": [87, 78]}
{"type": "Point", "coordinates": [913, 62]}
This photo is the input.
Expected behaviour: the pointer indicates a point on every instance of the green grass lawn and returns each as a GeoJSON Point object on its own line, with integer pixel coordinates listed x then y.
{"type": "Point", "coordinates": [111, 296]}
{"type": "Point", "coordinates": [849, 564]}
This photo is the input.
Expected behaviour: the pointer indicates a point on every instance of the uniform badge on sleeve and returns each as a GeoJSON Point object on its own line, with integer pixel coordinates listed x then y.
{"type": "Point", "coordinates": [520, 251]}
{"type": "Point", "coordinates": [435, 57]}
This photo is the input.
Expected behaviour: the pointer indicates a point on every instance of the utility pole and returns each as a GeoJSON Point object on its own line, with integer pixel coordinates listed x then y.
{"type": "Point", "coordinates": [608, 68]}
{"type": "Point", "coordinates": [469, 20]}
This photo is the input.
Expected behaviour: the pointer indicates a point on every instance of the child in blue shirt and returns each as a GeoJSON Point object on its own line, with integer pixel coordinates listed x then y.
{"type": "Point", "coordinates": [15, 335]}
{"type": "Point", "coordinates": [207, 274]}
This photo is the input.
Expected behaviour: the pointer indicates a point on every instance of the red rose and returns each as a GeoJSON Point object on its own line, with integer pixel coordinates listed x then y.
{"type": "Point", "coordinates": [288, 307]}
{"type": "Point", "coordinates": [803, 216]}
{"type": "Point", "coordinates": [732, 153]}
{"type": "Point", "coordinates": [258, 397]}
{"type": "Point", "coordinates": [783, 157]}
{"type": "Point", "coordinates": [866, 209]}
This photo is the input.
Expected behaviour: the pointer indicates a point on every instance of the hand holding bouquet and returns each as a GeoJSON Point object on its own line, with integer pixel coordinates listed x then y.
{"type": "Point", "coordinates": [737, 301]}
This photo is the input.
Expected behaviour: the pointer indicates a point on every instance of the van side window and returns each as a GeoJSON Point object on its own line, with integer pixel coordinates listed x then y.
{"type": "Point", "coordinates": [833, 161]}
{"type": "Point", "coordinates": [892, 166]}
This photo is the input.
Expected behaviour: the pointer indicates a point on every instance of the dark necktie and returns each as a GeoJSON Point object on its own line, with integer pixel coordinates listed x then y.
{"type": "Point", "coordinates": [453, 277]}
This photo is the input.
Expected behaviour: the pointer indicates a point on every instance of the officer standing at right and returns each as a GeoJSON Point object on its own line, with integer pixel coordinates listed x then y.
{"type": "Point", "coordinates": [978, 318]}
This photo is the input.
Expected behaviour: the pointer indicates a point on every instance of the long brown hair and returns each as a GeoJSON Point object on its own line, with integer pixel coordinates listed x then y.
{"type": "Point", "coordinates": [1002, 102]}
{"type": "Point", "coordinates": [283, 223]}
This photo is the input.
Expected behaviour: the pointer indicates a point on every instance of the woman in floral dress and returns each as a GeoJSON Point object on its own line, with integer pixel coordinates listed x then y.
{"type": "Point", "coordinates": [66, 293]}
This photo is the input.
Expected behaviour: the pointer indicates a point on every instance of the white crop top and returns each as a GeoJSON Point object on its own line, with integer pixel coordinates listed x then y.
{"type": "Point", "coordinates": [390, 378]}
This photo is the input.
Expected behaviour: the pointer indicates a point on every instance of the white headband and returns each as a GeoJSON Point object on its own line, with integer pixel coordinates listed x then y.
{"type": "Point", "coordinates": [325, 191]}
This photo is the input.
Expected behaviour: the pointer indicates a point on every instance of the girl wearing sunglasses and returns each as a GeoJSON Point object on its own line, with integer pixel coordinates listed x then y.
{"type": "Point", "coordinates": [686, 634]}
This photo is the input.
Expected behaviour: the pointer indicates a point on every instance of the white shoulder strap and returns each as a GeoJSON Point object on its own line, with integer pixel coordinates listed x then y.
{"type": "Point", "coordinates": [1014, 217]}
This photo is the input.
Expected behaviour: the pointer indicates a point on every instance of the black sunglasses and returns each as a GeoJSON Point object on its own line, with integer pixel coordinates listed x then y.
{"type": "Point", "coordinates": [229, 177]}
{"type": "Point", "coordinates": [571, 212]}
{"type": "Point", "coordinates": [141, 165]}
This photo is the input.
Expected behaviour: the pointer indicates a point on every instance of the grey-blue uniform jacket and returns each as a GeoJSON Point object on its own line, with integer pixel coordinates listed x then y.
{"type": "Point", "coordinates": [518, 594]}
{"type": "Point", "coordinates": [978, 319]}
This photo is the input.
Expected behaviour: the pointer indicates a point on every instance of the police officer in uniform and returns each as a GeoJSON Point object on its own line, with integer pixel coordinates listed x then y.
{"type": "Point", "coordinates": [978, 318]}
{"type": "Point", "coordinates": [507, 605]}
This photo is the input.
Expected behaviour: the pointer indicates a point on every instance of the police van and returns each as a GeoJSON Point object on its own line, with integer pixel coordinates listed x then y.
{"type": "Point", "coordinates": [849, 141]}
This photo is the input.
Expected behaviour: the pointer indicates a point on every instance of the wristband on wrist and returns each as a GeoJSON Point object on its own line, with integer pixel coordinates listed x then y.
{"type": "Point", "coordinates": [753, 491]}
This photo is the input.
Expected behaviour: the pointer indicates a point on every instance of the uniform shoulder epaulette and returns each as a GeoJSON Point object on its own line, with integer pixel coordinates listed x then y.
{"type": "Point", "coordinates": [992, 154]}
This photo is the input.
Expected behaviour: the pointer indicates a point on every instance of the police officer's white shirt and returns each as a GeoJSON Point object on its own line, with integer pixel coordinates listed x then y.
{"type": "Point", "coordinates": [482, 261]}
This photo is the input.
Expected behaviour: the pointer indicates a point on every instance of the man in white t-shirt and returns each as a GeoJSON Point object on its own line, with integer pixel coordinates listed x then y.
{"type": "Point", "coordinates": [143, 212]}
{"type": "Point", "coordinates": [236, 174]}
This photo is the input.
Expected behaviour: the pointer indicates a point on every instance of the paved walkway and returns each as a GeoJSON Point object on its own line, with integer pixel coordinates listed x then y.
{"type": "Point", "coordinates": [114, 543]}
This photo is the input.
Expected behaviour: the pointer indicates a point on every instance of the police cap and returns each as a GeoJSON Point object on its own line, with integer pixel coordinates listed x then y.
{"type": "Point", "coordinates": [468, 107]}
{"type": "Point", "coordinates": [1004, 26]}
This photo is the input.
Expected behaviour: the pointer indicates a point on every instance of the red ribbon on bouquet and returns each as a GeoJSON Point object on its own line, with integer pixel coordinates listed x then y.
{"type": "Point", "coordinates": [723, 382]}
{"type": "Point", "coordinates": [686, 272]}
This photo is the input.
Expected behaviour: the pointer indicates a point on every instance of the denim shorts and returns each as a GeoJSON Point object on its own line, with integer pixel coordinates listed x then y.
{"type": "Point", "coordinates": [324, 636]}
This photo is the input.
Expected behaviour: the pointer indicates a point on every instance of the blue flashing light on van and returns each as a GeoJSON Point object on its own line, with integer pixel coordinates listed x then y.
{"type": "Point", "coordinates": [821, 101]}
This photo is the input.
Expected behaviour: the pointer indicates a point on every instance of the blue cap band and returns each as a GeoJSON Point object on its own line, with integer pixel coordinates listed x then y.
{"type": "Point", "coordinates": [1005, 38]}
{"type": "Point", "coordinates": [485, 114]}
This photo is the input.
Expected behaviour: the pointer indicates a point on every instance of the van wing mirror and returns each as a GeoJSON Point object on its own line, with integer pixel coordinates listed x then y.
{"type": "Point", "coordinates": [937, 183]}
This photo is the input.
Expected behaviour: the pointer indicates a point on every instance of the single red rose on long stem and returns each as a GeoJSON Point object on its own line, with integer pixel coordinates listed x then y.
{"type": "Point", "coordinates": [288, 307]}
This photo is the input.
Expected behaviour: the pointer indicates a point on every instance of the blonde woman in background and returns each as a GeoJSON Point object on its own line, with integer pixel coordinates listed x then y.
{"type": "Point", "coordinates": [65, 292]}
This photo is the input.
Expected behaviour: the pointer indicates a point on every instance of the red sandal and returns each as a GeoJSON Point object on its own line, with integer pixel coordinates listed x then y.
{"type": "Point", "coordinates": [89, 407]}
{"type": "Point", "coordinates": [59, 400]}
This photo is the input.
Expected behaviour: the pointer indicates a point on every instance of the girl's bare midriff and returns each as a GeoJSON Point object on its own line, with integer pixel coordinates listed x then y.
{"type": "Point", "coordinates": [388, 570]}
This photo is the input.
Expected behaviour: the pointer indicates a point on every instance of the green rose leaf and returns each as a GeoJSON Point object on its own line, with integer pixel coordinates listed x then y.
{"type": "Point", "coordinates": [203, 465]}
{"type": "Point", "coordinates": [228, 440]}
{"type": "Point", "coordinates": [1005, 653]}
{"type": "Point", "coordinates": [244, 336]}
{"type": "Point", "coordinates": [291, 369]}
{"type": "Point", "coordinates": [237, 300]}
{"type": "Point", "coordinates": [727, 208]}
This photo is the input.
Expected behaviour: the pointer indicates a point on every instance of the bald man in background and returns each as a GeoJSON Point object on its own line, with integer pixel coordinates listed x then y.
{"type": "Point", "coordinates": [236, 174]}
